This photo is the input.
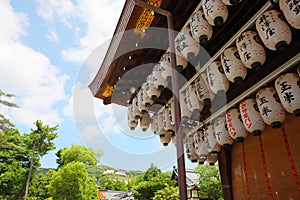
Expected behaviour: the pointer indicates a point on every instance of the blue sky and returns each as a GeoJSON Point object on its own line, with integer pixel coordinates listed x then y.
{"type": "Point", "coordinates": [44, 46]}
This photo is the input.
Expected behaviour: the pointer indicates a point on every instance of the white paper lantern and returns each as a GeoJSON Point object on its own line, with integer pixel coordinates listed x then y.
{"type": "Point", "coordinates": [231, 2]}
{"type": "Point", "coordinates": [151, 90]}
{"type": "Point", "coordinates": [288, 90]}
{"type": "Point", "coordinates": [142, 107]}
{"type": "Point", "coordinates": [133, 124]}
{"type": "Point", "coordinates": [145, 122]}
{"type": "Point", "coordinates": [158, 81]}
{"type": "Point", "coordinates": [273, 31]}
{"type": "Point", "coordinates": [201, 30]}
{"type": "Point", "coordinates": [165, 138]}
{"type": "Point", "coordinates": [153, 123]}
{"type": "Point", "coordinates": [291, 12]}
{"type": "Point", "coordinates": [235, 125]}
{"type": "Point", "coordinates": [221, 132]}
{"type": "Point", "coordinates": [200, 146]}
{"type": "Point", "coordinates": [185, 111]}
{"type": "Point", "coordinates": [215, 12]}
{"type": "Point", "coordinates": [193, 103]}
{"type": "Point", "coordinates": [165, 66]}
{"type": "Point", "coordinates": [234, 69]}
{"type": "Point", "coordinates": [190, 149]}
{"type": "Point", "coordinates": [135, 106]}
{"type": "Point", "coordinates": [217, 80]}
{"type": "Point", "coordinates": [160, 123]}
{"type": "Point", "coordinates": [172, 112]}
{"type": "Point", "coordinates": [251, 118]}
{"type": "Point", "coordinates": [210, 140]}
{"type": "Point", "coordinates": [130, 116]}
{"type": "Point", "coordinates": [167, 120]}
{"type": "Point", "coordinates": [212, 158]}
{"type": "Point", "coordinates": [146, 100]}
{"type": "Point", "coordinates": [203, 90]}
{"type": "Point", "coordinates": [181, 61]}
{"type": "Point", "coordinates": [250, 49]}
{"type": "Point", "coordinates": [187, 45]}
{"type": "Point", "coordinates": [270, 108]}
{"type": "Point", "coordinates": [173, 139]}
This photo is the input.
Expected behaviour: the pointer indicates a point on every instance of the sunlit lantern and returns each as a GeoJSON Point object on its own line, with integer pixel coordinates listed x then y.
{"type": "Point", "coordinates": [133, 124]}
{"type": "Point", "coordinates": [251, 118]}
{"type": "Point", "coordinates": [203, 90]}
{"type": "Point", "coordinates": [172, 112]}
{"type": "Point", "coordinates": [165, 138]}
{"type": "Point", "coordinates": [173, 139]}
{"type": "Point", "coordinates": [221, 132]}
{"type": "Point", "coordinates": [290, 9]}
{"type": "Point", "coordinates": [212, 158]}
{"type": "Point", "coordinates": [231, 2]}
{"type": "Point", "coordinates": [193, 103]}
{"type": "Point", "coordinates": [160, 123]}
{"type": "Point", "coordinates": [151, 90]}
{"type": "Point", "coordinates": [251, 51]}
{"type": "Point", "coordinates": [153, 123]}
{"type": "Point", "coordinates": [235, 125]}
{"type": "Point", "coordinates": [190, 149]}
{"type": "Point", "coordinates": [210, 140]}
{"type": "Point", "coordinates": [273, 31]}
{"type": "Point", "coordinates": [233, 67]}
{"type": "Point", "coordinates": [167, 120]}
{"type": "Point", "coordinates": [159, 82]}
{"type": "Point", "coordinates": [217, 80]}
{"type": "Point", "coordinates": [165, 66]}
{"type": "Point", "coordinates": [201, 30]}
{"type": "Point", "coordinates": [200, 146]}
{"type": "Point", "coordinates": [135, 107]}
{"type": "Point", "coordinates": [146, 100]}
{"type": "Point", "coordinates": [215, 12]}
{"type": "Point", "coordinates": [185, 111]}
{"type": "Point", "coordinates": [193, 193]}
{"type": "Point", "coordinates": [130, 116]}
{"type": "Point", "coordinates": [142, 107]}
{"type": "Point", "coordinates": [187, 45]}
{"type": "Point", "coordinates": [288, 90]}
{"type": "Point", "coordinates": [145, 122]}
{"type": "Point", "coordinates": [181, 61]}
{"type": "Point", "coordinates": [270, 108]}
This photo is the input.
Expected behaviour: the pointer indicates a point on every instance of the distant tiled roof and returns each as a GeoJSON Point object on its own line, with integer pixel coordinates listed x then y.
{"type": "Point", "coordinates": [192, 177]}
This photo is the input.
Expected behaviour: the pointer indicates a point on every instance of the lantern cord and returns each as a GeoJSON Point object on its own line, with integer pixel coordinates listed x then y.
{"type": "Point", "coordinates": [265, 168]}
{"type": "Point", "coordinates": [290, 157]}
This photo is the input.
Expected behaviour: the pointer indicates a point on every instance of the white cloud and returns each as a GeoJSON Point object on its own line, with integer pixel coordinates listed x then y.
{"type": "Point", "coordinates": [52, 36]}
{"type": "Point", "coordinates": [28, 74]}
{"type": "Point", "coordinates": [100, 18]}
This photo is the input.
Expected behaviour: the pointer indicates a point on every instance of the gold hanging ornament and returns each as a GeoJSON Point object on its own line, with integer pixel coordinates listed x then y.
{"type": "Point", "coordinates": [146, 18]}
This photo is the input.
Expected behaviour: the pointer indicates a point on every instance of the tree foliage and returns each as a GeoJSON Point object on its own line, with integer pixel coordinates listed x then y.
{"type": "Point", "coordinates": [77, 153]}
{"type": "Point", "coordinates": [151, 172]}
{"type": "Point", "coordinates": [113, 182]}
{"type": "Point", "coordinates": [168, 192]}
{"type": "Point", "coordinates": [72, 182]}
{"type": "Point", "coordinates": [210, 181]}
{"type": "Point", "coordinates": [153, 181]}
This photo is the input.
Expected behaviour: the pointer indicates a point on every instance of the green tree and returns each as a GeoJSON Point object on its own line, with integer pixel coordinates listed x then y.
{"type": "Point", "coordinates": [71, 182]}
{"type": "Point", "coordinates": [5, 124]}
{"type": "Point", "coordinates": [113, 182]}
{"type": "Point", "coordinates": [145, 190]}
{"type": "Point", "coordinates": [13, 166]}
{"type": "Point", "coordinates": [210, 181]}
{"type": "Point", "coordinates": [151, 172]}
{"type": "Point", "coordinates": [38, 188]}
{"type": "Point", "coordinates": [169, 192]}
{"type": "Point", "coordinates": [40, 141]}
{"type": "Point", "coordinates": [80, 154]}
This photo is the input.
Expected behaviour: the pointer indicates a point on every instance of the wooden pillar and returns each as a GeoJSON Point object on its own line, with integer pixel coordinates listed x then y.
{"type": "Point", "coordinates": [224, 160]}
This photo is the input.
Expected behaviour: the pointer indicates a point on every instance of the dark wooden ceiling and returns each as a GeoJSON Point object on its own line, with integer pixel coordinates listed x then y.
{"type": "Point", "coordinates": [124, 73]}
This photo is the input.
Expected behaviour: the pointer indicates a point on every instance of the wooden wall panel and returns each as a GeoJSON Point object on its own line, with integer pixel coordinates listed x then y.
{"type": "Point", "coordinates": [272, 164]}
